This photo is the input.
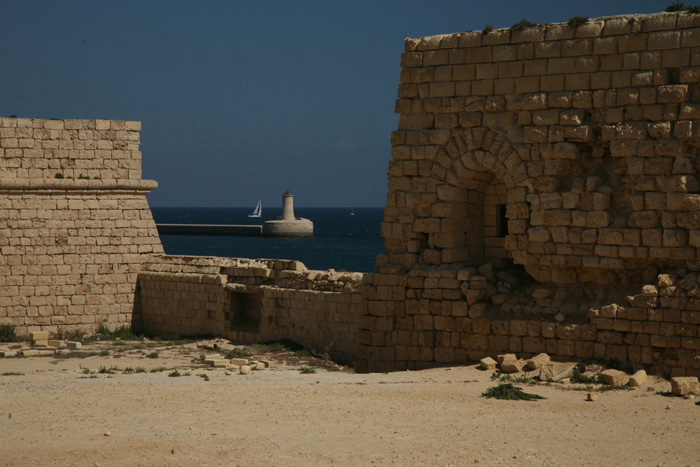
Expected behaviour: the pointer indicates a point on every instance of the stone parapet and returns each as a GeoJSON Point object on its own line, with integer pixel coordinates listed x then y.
{"type": "Point", "coordinates": [32, 148]}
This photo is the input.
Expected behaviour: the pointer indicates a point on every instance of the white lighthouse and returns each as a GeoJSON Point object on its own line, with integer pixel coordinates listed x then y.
{"type": "Point", "coordinates": [288, 225]}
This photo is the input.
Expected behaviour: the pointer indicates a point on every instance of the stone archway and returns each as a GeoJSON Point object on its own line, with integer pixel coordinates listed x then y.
{"type": "Point", "coordinates": [482, 198]}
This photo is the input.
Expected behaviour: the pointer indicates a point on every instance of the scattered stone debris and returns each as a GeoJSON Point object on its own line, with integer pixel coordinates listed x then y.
{"type": "Point", "coordinates": [488, 363]}
{"type": "Point", "coordinates": [39, 338]}
{"type": "Point", "coordinates": [638, 379]}
{"type": "Point", "coordinates": [537, 361]}
{"type": "Point", "coordinates": [685, 385]}
{"type": "Point", "coordinates": [614, 377]}
{"type": "Point", "coordinates": [510, 363]}
{"type": "Point", "coordinates": [540, 367]}
{"type": "Point", "coordinates": [556, 371]}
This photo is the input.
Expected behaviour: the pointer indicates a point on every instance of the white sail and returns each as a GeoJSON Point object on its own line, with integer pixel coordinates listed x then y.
{"type": "Point", "coordinates": [258, 210]}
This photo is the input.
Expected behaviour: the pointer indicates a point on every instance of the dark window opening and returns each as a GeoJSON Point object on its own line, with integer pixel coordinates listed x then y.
{"type": "Point", "coordinates": [502, 221]}
{"type": "Point", "coordinates": [246, 311]}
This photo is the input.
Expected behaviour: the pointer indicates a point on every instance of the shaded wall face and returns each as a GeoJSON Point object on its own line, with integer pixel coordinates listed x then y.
{"type": "Point", "coordinates": [74, 223]}
{"type": "Point", "coordinates": [592, 132]}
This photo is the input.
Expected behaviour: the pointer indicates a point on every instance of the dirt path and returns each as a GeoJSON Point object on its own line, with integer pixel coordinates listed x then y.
{"type": "Point", "coordinates": [55, 412]}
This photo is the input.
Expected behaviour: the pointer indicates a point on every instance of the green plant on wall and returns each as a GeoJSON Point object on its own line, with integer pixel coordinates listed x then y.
{"type": "Point", "coordinates": [7, 333]}
{"type": "Point", "coordinates": [523, 24]}
{"type": "Point", "coordinates": [577, 21]}
{"type": "Point", "coordinates": [680, 6]}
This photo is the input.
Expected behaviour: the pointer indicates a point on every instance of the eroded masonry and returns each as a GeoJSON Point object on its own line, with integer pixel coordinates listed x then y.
{"type": "Point", "coordinates": [543, 197]}
{"type": "Point", "coordinates": [564, 158]}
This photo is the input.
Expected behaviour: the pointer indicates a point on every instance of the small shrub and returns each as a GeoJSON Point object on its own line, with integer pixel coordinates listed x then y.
{"type": "Point", "coordinates": [522, 379]}
{"type": "Point", "coordinates": [76, 334]}
{"type": "Point", "coordinates": [7, 333]}
{"type": "Point", "coordinates": [204, 376]}
{"type": "Point", "coordinates": [667, 394]}
{"type": "Point", "coordinates": [140, 369]}
{"type": "Point", "coordinates": [109, 371]}
{"type": "Point", "coordinates": [577, 21]}
{"type": "Point", "coordinates": [60, 175]}
{"type": "Point", "coordinates": [86, 371]}
{"type": "Point", "coordinates": [128, 370]}
{"type": "Point", "coordinates": [679, 6]}
{"type": "Point", "coordinates": [13, 116]}
{"type": "Point", "coordinates": [282, 345]}
{"type": "Point", "coordinates": [522, 24]}
{"type": "Point", "coordinates": [675, 6]}
{"type": "Point", "coordinates": [619, 387]}
{"type": "Point", "coordinates": [499, 376]}
{"type": "Point", "coordinates": [241, 352]}
{"type": "Point", "coordinates": [487, 29]}
{"type": "Point", "coordinates": [120, 333]}
{"type": "Point", "coordinates": [200, 359]}
{"type": "Point", "coordinates": [174, 374]}
{"type": "Point", "coordinates": [304, 370]}
{"type": "Point", "coordinates": [104, 353]}
{"type": "Point", "coordinates": [507, 391]}
{"type": "Point", "coordinates": [157, 370]}
{"type": "Point", "coordinates": [152, 355]}
{"type": "Point", "coordinates": [578, 377]}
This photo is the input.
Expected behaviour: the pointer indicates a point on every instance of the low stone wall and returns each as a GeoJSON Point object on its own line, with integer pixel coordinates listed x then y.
{"type": "Point", "coordinates": [74, 223]}
{"type": "Point", "coordinates": [250, 301]}
{"type": "Point", "coordinates": [443, 315]}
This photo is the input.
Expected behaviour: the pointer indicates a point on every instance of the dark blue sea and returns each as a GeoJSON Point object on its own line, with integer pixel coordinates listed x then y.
{"type": "Point", "coordinates": [341, 241]}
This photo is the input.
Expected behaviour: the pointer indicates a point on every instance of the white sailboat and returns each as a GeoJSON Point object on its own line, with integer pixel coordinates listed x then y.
{"type": "Point", "coordinates": [258, 210]}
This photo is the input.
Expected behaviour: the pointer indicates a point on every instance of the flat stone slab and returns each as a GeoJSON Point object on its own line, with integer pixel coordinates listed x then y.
{"type": "Point", "coordinates": [614, 377]}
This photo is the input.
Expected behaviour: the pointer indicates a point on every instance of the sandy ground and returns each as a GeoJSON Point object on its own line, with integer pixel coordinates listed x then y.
{"type": "Point", "coordinates": [64, 412]}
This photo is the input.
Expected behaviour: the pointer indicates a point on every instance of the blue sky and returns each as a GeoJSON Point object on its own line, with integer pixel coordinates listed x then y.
{"type": "Point", "coordinates": [243, 100]}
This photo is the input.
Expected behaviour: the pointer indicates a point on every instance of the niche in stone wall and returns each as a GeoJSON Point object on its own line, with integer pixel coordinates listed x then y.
{"type": "Point", "coordinates": [487, 226]}
{"type": "Point", "coordinates": [246, 311]}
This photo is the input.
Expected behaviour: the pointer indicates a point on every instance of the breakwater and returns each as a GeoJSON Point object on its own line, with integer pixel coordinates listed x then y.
{"type": "Point", "coordinates": [210, 229]}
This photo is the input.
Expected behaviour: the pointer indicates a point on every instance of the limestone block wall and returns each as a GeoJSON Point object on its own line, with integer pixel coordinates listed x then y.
{"type": "Point", "coordinates": [74, 223]}
{"type": "Point", "coordinates": [543, 196]}
{"type": "Point", "coordinates": [250, 301]}
{"type": "Point", "coordinates": [592, 130]}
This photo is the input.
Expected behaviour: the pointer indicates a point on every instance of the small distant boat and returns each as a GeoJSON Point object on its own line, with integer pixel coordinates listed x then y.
{"type": "Point", "coordinates": [352, 213]}
{"type": "Point", "coordinates": [258, 210]}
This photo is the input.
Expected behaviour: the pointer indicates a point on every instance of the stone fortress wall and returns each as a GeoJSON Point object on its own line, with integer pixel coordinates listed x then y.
{"type": "Point", "coordinates": [543, 197]}
{"type": "Point", "coordinates": [250, 301]}
{"type": "Point", "coordinates": [74, 223]}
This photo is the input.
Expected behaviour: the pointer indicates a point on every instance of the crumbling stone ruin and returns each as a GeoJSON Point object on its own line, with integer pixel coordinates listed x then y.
{"type": "Point", "coordinates": [250, 301]}
{"type": "Point", "coordinates": [543, 197]}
